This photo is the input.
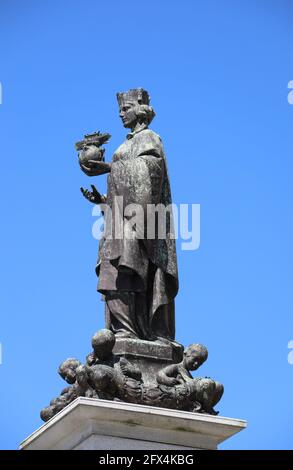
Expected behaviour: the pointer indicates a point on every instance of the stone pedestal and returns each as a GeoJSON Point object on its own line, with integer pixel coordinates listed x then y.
{"type": "Point", "coordinates": [90, 424]}
{"type": "Point", "coordinates": [149, 356]}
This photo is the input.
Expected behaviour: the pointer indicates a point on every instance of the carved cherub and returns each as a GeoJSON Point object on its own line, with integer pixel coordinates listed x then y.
{"type": "Point", "coordinates": [193, 357]}
{"type": "Point", "coordinates": [103, 343]}
{"type": "Point", "coordinates": [72, 371]}
{"type": "Point", "coordinates": [105, 371]}
{"type": "Point", "coordinates": [108, 376]}
{"type": "Point", "coordinates": [206, 391]}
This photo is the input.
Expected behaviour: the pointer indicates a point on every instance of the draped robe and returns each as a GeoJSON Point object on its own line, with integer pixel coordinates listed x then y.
{"type": "Point", "coordinates": [138, 276]}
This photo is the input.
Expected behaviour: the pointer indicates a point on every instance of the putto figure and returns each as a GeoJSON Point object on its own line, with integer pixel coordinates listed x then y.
{"type": "Point", "coordinates": [208, 391]}
{"type": "Point", "coordinates": [110, 377]}
{"type": "Point", "coordinates": [137, 276]}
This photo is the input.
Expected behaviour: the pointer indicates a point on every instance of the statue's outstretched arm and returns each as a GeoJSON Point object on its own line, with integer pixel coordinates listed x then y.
{"type": "Point", "coordinates": [94, 196]}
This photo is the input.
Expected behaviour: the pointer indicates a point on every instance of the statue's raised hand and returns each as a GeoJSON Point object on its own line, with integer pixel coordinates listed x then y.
{"type": "Point", "coordinates": [93, 196]}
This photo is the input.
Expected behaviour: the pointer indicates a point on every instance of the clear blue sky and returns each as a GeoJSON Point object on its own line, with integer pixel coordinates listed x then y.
{"type": "Point", "coordinates": [217, 73]}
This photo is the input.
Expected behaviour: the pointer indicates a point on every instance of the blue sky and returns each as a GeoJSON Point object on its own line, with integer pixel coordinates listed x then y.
{"type": "Point", "coordinates": [217, 73]}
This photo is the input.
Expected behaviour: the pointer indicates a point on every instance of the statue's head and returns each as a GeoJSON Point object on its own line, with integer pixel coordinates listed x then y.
{"type": "Point", "coordinates": [67, 370]}
{"type": "Point", "coordinates": [194, 356]}
{"type": "Point", "coordinates": [134, 107]}
{"type": "Point", "coordinates": [103, 342]}
{"type": "Point", "coordinates": [102, 377]}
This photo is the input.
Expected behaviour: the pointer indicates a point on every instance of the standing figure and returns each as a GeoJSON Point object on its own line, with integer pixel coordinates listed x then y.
{"type": "Point", "coordinates": [137, 273]}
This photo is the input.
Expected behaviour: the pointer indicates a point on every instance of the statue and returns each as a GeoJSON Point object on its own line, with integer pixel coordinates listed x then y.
{"type": "Point", "coordinates": [109, 377]}
{"type": "Point", "coordinates": [72, 371]}
{"type": "Point", "coordinates": [208, 391]}
{"type": "Point", "coordinates": [137, 276]}
{"type": "Point", "coordinates": [136, 358]}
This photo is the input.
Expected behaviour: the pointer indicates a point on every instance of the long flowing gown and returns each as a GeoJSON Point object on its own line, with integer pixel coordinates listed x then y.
{"type": "Point", "coordinates": [138, 276]}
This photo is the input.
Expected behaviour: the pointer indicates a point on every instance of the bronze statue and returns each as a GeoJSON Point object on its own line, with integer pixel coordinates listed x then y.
{"type": "Point", "coordinates": [136, 358]}
{"type": "Point", "coordinates": [137, 276]}
{"type": "Point", "coordinates": [109, 377]}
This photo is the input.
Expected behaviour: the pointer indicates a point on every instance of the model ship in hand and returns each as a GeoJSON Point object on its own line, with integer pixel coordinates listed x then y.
{"type": "Point", "coordinates": [92, 162]}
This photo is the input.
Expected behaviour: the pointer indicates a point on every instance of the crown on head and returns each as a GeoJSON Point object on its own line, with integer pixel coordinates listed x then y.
{"type": "Point", "coordinates": [135, 95]}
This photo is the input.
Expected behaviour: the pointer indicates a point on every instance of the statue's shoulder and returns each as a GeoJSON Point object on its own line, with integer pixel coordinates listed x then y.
{"type": "Point", "coordinates": [149, 138]}
{"type": "Point", "coordinates": [149, 134]}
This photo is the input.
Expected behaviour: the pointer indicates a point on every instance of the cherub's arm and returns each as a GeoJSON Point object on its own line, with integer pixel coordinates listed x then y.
{"type": "Point", "coordinates": [91, 359]}
{"type": "Point", "coordinates": [184, 375]}
{"type": "Point", "coordinates": [168, 375]}
{"type": "Point", "coordinates": [130, 370]}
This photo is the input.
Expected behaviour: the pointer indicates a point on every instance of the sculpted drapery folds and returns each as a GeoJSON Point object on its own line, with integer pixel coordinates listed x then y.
{"type": "Point", "coordinates": [137, 275]}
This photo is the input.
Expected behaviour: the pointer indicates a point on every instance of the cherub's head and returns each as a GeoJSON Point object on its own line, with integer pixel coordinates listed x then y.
{"type": "Point", "coordinates": [134, 107]}
{"type": "Point", "coordinates": [103, 342]}
{"type": "Point", "coordinates": [194, 356]}
{"type": "Point", "coordinates": [67, 370]}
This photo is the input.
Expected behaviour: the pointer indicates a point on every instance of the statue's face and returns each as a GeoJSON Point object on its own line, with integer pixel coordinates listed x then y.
{"type": "Point", "coordinates": [193, 361]}
{"type": "Point", "coordinates": [128, 114]}
{"type": "Point", "coordinates": [69, 375]}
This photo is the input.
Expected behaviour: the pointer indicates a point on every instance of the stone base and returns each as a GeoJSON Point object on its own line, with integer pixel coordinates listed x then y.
{"type": "Point", "coordinates": [149, 356]}
{"type": "Point", "coordinates": [90, 424]}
